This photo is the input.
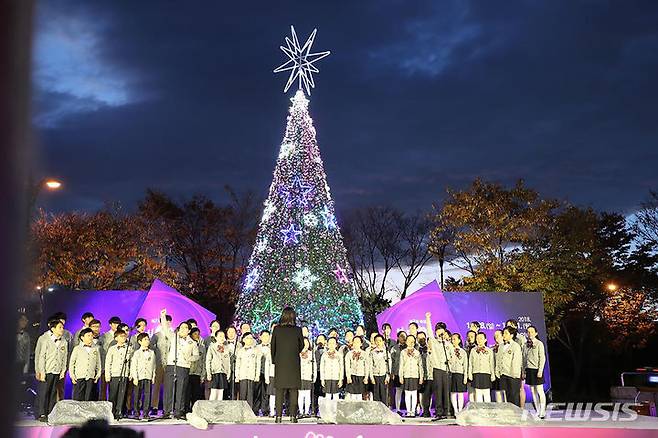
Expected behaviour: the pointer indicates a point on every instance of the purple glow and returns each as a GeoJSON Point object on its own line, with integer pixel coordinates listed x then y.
{"type": "Point", "coordinates": [457, 309]}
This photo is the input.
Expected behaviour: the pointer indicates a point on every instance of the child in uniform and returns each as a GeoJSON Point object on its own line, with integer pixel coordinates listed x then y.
{"type": "Point", "coordinates": [197, 370]}
{"type": "Point", "coordinates": [511, 362]}
{"type": "Point", "coordinates": [459, 373]}
{"type": "Point", "coordinates": [142, 374]}
{"type": "Point", "coordinates": [247, 368]}
{"type": "Point", "coordinates": [481, 369]}
{"type": "Point", "coordinates": [85, 366]}
{"type": "Point", "coordinates": [50, 367]}
{"type": "Point", "coordinates": [357, 370]}
{"type": "Point", "coordinates": [534, 359]}
{"type": "Point", "coordinates": [117, 371]}
{"type": "Point", "coordinates": [411, 374]}
{"type": "Point", "coordinates": [308, 377]}
{"type": "Point", "coordinates": [380, 366]}
{"type": "Point", "coordinates": [218, 366]}
{"type": "Point", "coordinates": [331, 369]}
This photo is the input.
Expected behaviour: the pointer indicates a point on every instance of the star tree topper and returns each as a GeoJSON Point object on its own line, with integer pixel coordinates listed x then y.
{"type": "Point", "coordinates": [301, 61]}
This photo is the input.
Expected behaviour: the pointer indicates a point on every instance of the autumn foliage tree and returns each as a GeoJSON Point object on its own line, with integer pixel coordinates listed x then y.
{"type": "Point", "coordinates": [513, 240]}
{"type": "Point", "coordinates": [207, 244]}
{"type": "Point", "coordinates": [103, 250]}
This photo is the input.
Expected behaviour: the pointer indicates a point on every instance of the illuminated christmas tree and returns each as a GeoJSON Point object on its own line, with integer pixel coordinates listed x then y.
{"type": "Point", "coordinates": [299, 258]}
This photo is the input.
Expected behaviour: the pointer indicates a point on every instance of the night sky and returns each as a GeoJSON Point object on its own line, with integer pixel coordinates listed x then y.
{"type": "Point", "coordinates": [416, 97]}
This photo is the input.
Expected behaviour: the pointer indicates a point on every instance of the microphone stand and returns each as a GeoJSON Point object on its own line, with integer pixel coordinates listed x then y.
{"type": "Point", "coordinates": [388, 370]}
{"type": "Point", "coordinates": [235, 349]}
{"type": "Point", "coordinates": [312, 370]}
{"type": "Point", "coordinates": [123, 383]}
{"type": "Point", "coordinates": [175, 376]}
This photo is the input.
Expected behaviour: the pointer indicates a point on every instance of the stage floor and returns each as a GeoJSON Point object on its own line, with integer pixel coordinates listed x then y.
{"type": "Point", "coordinates": [642, 427]}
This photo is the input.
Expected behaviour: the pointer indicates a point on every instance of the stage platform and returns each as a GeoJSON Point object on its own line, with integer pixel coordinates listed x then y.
{"type": "Point", "coordinates": [642, 427]}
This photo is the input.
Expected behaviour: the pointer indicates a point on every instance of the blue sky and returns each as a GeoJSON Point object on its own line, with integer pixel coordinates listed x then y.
{"type": "Point", "coordinates": [415, 98]}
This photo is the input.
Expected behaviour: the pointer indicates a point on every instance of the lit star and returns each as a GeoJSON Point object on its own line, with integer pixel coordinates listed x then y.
{"type": "Point", "coordinates": [291, 234]}
{"type": "Point", "coordinates": [329, 218]}
{"type": "Point", "coordinates": [301, 61]}
{"type": "Point", "coordinates": [299, 194]}
{"type": "Point", "coordinates": [340, 274]}
{"type": "Point", "coordinates": [250, 280]}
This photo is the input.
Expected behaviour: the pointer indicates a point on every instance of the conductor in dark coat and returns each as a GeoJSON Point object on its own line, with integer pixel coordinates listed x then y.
{"type": "Point", "coordinates": [287, 343]}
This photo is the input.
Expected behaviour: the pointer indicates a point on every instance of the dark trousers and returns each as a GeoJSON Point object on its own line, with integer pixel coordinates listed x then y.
{"type": "Point", "coordinates": [246, 388]}
{"type": "Point", "coordinates": [142, 396]}
{"type": "Point", "coordinates": [83, 390]}
{"type": "Point", "coordinates": [47, 396]}
{"type": "Point", "coordinates": [427, 397]}
{"type": "Point", "coordinates": [379, 389]}
{"type": "Point", "coordinates": [261, 399]}
{"type": "Point", "coordinates": [292, 405]}
{"type": "Point", "coordinates": [118, 386]}
{"type": "Point", "coordinates": [512, 388]}
{"type": "Point", "coordinates": [317, 393]}
{"type": "Point", "coordinates": [441, 390]}
{"type": "Point", "coordinates": [194, 391]}
{"type": "Point", "coordinates": [175, 392]}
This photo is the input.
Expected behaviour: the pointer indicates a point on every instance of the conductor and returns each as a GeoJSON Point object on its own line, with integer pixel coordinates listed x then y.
{"type": "Point", "coordinates": [287, 343]}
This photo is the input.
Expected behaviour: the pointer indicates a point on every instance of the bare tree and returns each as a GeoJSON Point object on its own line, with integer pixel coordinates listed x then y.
{"type": "Point", "coordinates": [372, 240]}
{"type": "Point", "coordinates": [646, 225]}
{"type": "Point", "coordinates": [413, 249]}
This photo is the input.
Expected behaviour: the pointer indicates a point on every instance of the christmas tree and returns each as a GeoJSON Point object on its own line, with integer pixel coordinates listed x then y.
{"type": "Point", "coordinates": [299, 259]}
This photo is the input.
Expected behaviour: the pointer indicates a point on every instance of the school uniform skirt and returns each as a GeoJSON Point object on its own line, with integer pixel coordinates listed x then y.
{"type": "Point", "coordinates": [481, 381]}
{"type": "Point", "coordinates": [331, 387]}
{"type": "Point", "coordinates": [271, 389]}
{"type": "Point", "coordinates": [307, 385]}
{"type": "Point", "coordinates": [410, 384]}
{"type": "Point", "coordinates": [457, 383]}
{"type": "Point", "coordinates": [357, 386]}
{"type": "Point", "coordinates": [495, 385]}
{"type": "Point", "coordinates": [219, 381]}
{"type": "Point", "coordinates": [531, 377]}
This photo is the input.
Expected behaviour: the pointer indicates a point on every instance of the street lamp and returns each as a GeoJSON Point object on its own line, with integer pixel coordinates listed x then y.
{"type": "Point", "coordinates": [52, 184]}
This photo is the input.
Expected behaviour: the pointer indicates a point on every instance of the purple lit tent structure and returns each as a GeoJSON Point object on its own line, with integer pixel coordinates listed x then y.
{"type": "Point", "coordinates": [127, 305]}
{"type": "Point", "coordinates": [457, 309]}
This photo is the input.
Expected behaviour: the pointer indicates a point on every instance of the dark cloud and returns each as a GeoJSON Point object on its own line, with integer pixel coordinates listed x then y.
{"type": "Point", "coordinates": [415, 97]}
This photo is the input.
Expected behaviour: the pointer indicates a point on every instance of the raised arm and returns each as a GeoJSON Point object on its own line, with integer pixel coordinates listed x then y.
{"type": "Point", "coordinates": [428, 322]}
{"type": "Point", "coordinates": [166, 326]}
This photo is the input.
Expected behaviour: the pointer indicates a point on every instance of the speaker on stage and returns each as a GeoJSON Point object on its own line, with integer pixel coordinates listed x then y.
{"type": "Point", "coordinates": [356, 412]}
{"type": "Point", "coordinates": [493, 414]}
{"type": "Point", "coordinates": [71, 412]}
{"type": "Point", "coordinates": [224, 411]}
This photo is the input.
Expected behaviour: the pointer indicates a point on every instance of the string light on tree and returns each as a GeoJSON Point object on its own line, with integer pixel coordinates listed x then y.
{"type": "Point", "coordinates": [304, 279]}
{"type": "Point", "coordinates": [340, 275]}
{"type": "Point", "coordinates": [328, 218]}
{"type": "Point", "coordinates": [299, 254]}
{"type": "Point", "coordinates": [291, 234]}
{"type": "Point", "coordinates": [299, 194]}
{"type": "Point", "coordinates": [251, 279]}
{"type": "Point", "coordinates": [268, 210]}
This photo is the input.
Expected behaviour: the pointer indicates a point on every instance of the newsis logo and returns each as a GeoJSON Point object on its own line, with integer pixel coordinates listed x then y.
{"type": "Point", "coordinates": [585, 412]}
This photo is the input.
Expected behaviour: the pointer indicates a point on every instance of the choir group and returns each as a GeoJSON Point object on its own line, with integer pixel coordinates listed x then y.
{"type": "Point", "coordinates": [130, 368]}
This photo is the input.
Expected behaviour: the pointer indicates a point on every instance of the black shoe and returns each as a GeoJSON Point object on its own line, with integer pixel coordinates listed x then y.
{"type": "Point", "coordinates": [153, 412]}
{"type": "Point", "coordinates": [277, 419]}
{"type": "Point", "coordinates": [293, 419]}
{"type": "Point", "coordinates": [426, 415]}
{"type": "Point", "coordinates": [43, 419]}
